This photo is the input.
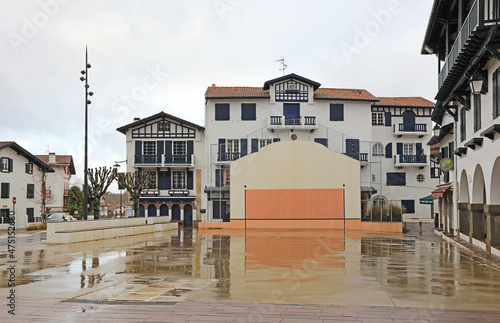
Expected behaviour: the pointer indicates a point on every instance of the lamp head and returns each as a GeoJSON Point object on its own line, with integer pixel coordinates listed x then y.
{"type": "Point", "coordinates": [82, 79]}
{"type": "Point", "coordinates": [83, 72]}
{"type": "Point", "coordinates": [91, 93]}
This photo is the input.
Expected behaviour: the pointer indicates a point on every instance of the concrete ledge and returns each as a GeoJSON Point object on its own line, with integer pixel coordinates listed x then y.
{"type": "Point", "coordinates": [465, 239]}
{"type": "Point", "coordinates": [80, 231]}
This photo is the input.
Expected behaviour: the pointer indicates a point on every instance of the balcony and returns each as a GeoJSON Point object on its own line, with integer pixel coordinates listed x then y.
{"type": "Point", "coordinates": [410, 129]}
{"type": "Point", "coordinates": [483, 15]}
{"type": "Point", "coordinates": [284, 123]}
{"type": "Point", "coordinates": [410, 161]}
{"type": "Point", "coordinates": [228, 157]}
{"type": "Point", "coordinates": [164, 160]}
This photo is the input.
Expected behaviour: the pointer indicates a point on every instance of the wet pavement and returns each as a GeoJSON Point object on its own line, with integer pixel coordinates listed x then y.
{"type": "Point", "coordinates": [420, 274]}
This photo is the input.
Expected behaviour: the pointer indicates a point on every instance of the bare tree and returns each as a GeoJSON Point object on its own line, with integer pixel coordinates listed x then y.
{"type": "Point", "coordinates": [134, 183]}
{"type": "Point", "coordinates": [99, 181]}
{"type": "Point", "coordinates": [43, 193]}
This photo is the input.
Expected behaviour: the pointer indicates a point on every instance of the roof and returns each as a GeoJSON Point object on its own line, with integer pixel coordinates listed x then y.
{"type": "Point", "coordinates": [234, 92]}
{"type": "Point", "coordinates": [409, 101]}
{"type": "Point", "coordinates": [433, 39]}
{"type": "Point", "coordinates": [161, 114]}
{"type": "Point", "coordinates": [23, 152]}
{"type": "Point", "coordinates": [292, 76]}
{"type": "Point", "coordinates": [61, 161]}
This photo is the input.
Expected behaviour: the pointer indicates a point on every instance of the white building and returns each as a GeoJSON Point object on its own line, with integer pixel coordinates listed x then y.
{"type": "Point", "coordinates": [386, 135]}
{"type": "Point", "coordinates": [172, 151]}
{"type": "Point", "coordinates": [464, 36]}
{"type": "Point", "coordinates": [58, 182]}
{"type": "Point", "coordinates": [20, 177]}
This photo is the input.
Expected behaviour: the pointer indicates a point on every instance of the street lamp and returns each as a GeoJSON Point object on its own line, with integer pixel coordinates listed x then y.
{"type": "Point", "coordinates": [85, 78]}
{"type": "Point", "coordinates": [436, 130]}
{"type": "Point", "coordinates": [116, 166]}
{"type": "Point", "coordinates": [476, 83]}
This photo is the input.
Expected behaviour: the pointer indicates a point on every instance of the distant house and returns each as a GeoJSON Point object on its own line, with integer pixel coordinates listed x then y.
{"type": "Point", "coordinates": [59, 180]}
{"type": "Point", "coordinates": [20, 177]}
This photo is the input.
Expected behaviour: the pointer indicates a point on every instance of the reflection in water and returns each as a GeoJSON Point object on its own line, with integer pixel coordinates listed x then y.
{"type": "Point", "coordinates": [218, 256]}
{"type": "Point", "coordinates": [90, 281]}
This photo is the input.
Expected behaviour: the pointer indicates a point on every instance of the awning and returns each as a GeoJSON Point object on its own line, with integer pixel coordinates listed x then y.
{"type": "Point", "coordinates": [439, 192]}
{"type": "Point", "coordinates": [427, 200]}
{"type": "Point", "coordinates": [368, 189]}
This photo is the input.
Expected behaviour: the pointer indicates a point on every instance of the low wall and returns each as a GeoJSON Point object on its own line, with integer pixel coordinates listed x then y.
{"type": "Point", "coordinates": [79, 231]}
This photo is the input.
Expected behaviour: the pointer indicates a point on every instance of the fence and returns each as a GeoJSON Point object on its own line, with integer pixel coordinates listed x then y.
{"type": "Point", "coordinates": [382, 211]}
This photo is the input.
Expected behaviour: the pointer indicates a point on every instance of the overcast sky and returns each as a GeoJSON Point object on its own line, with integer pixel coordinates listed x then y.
{"type": "Point", "coordinates": [151, 56]}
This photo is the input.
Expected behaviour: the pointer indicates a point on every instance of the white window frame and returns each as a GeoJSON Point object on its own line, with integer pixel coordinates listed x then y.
{"type": "Point", "coordinates": [377, 118]}
{"type": "Point", "coordinates": [264, 142]}
{"type": "Point", "coordinates": [30, 168]}
{"type": "Point", "coordinates": [233, 146]}
{"type": "Point", "coordinates": [180, 148]}
{"type": "Point", "coordinates": [378, 149]}
{"type": "Point", "coordinates": [151, 184]}
{"type": "Point", "coordinates": [179, 181]}
{"type": "Point", "coordinates": [4, 165]}
{"type": "Point", "coordinates": [149, 148]}
{"type": "Point", "coordinates": [408, 149]}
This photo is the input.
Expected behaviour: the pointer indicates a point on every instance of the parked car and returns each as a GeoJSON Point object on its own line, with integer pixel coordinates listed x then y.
{"type": "Point", "coordinates": [59, 217]}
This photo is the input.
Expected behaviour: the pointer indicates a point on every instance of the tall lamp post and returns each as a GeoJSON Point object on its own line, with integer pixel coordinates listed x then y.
{"type": "Point", "coordinates": [116, 166]}
{"type": "Point", "coordinates": [85, 78]}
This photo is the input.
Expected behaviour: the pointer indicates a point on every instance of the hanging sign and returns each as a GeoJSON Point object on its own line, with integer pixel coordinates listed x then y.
{"type": "Point", "coordinates": [446, 164]}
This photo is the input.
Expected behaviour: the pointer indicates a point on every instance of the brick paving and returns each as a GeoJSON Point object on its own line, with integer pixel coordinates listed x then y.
{"type": "Point", "coordinates": [52, 310]}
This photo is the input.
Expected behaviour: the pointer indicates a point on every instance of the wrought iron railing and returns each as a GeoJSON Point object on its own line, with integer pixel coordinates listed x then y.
{"type": "Point", "coordinates": [412, 127]}
{"type": "Point", "coordinates": [412, 159]}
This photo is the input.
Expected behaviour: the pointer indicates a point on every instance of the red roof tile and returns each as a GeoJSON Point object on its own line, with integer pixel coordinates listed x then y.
{"type": "Point", "coordinates": [411, 101]}
{"type": "Point", "coordinates": [5, 143]}
{"type": "Point", "coordinates": [61, 160]}
{"type": "Point", "coordinates": [344, 94]}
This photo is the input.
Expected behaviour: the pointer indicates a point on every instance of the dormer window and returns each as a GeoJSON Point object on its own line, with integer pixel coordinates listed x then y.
{"type": "Point", "coordinates": [291, 88]}
{"type": "Point", "coordinates": [163, 126]}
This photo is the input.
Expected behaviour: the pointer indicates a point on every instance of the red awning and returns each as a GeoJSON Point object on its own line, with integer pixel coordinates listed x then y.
{"type": "Point", "coordinates": [439, 192]}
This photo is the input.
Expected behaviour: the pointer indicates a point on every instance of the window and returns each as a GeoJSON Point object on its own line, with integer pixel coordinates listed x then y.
{"type": "Point", "coordinates": [29, 168]}
{"type": "Point", "coordinates": [5, 194]}
{"type": "Point", "coordinates": [336, 112]}
{"type": "Point", "coordinates": [462, 125]}
{"type": "Point", "coordinates": [264, 142]}
{"type": "Point", "coordinates": [396, 179]}
{"type": "Point", "coordinates": [5, 166]}
{"type": "Point", "coordinates": [179, 180]}
{"type": "Point", "coordinates": [30, 191]}
{"type": "Point", "coordinates": [222, 111]}
{"type": "Point", "coordinates": [378, 149]}
{"type": "Point", "coordinates": [233, 145]}
{"type": "Point", "coordinates": [496, 93]}
{"type": "Point", "coordinates": [179, 148]}
{"type": "Point", "coordinates": [408, 149]}
{"type": "Point", "coordinates": [477, 112]}
{"type": "Point", "coordinates": [322, 141]}
{"type": "Point", "coordinates": [377, 118]}
{"type": "Point", "coordinates": [420, 178]}
{"type": "Point", "coordinates": [150, 148]}
{"type": "Point", "coordinates": [248, 111]}
{"type": "Point", "coordinates": [30, 212]}
{"type": "Point", "coordinates": [163, 126]}
{"type": "Point", "coordinates": [151, 184]}
{"type": "Point", "coordinates": [409, 205]}
{"type": "Point", "coordinates": [291, 111]}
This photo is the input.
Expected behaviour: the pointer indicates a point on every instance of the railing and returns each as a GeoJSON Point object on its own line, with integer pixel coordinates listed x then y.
{"type": "Point", "coordinates": [228, 156]}
{"type": "Point", "coordinates": [412, 159]}
{"type": "Point", "coordinates": [148, 159]}
{"type": "Point", "coordinates": [292, 121]}
{"type": "Point", "coordinates": [167, 160]}
{"type": "Point", "coordinates": [178, 159]}
{"type": "Point", "coordinates": [363, 157]}
{"type": "Point", "coordinates": [306, 123]}
{"type": "Point", "coordinates": [310, 121]}
{"type": "Point", "coordinates": [381, 211]}
{"type": "Point", "coordinates": [412, 127]}
{"type": "Point", "coordinates": [275, 121]}
{"type": "Point", "coordinates": [483, 13]}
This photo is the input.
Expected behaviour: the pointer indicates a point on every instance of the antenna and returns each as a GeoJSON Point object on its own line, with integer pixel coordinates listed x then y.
{"type": "Point", "coordinates": [48, 150]}
{"type": "Point", "coordinates": [282, 61]}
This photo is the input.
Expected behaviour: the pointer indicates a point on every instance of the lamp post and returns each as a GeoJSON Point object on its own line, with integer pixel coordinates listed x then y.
{"type": "Point", "coordinates": [436, 130]}
{"type": "Point", "coordinates": [476, 83]}
{"type": "Point", "coordinates": [84, 78]}
{"type": "Point", "coordinates": [116, 166]}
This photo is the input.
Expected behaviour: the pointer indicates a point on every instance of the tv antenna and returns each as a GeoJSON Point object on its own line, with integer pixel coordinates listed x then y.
{"type": "Point", "coordinates": [282, 61]}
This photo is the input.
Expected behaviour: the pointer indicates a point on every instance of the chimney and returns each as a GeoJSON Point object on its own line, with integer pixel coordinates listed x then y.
{"type": "Point", "coordinates": [52, 158]}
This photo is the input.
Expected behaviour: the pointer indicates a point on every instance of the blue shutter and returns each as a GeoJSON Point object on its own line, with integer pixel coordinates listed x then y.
{"type": "Point", "coordinates": [138, 147]}
{"type": "Point", "coordinates": [336, 112]}
{"type": "Point", "coordinates": [168, 180]}
{"type": "Point", "coordinates": [418, 146]}
{"type": "Point", "coordinates": [399, 148]}
{"type": "Point", "coordinates": [162, 180]}
{"type": "Point", "coordinates": [322, 141]}
{"type": "Point", "coordinates": [356, 148]}
{"type": "Point", "coordinates": [349, 147]}
{"type": "Point", "coordinates": [219, 177]}
{"type": "Point", "coordinates": [276, 139]}
{"type": "Point", "coordinates": [409, 205]}
{"type": "Point", "coordinates": [11, 165]}
{"type": "Point", "coordinates": [222, 149]}
{"type": "Point", "coordinates": [388, 150]}
{"type": "Point", "coordinates": [244, 148]}
{"type": "Point", "coordinates": [222, 111]}
{"type": "Point", "coordinates": [396, 179]}
{"type": "Point", "coordinates": [248, 111]}
{"type": "Point", "coordinates": [387, 117]}
{"type": "Point", "coordinates": [255, 145]}
{"type": "Point", "coordinates": [291, 111]}
{"type": "Point", "coordinates": [168, 147]}
{"type": "Point", "coordinates": [190, 180]}
{"type": "Point", "coordinates": [190, 147]}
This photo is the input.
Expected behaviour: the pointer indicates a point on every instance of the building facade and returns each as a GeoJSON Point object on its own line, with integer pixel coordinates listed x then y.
{"type": "Point", "coordinates": [58, 182]}
{"type": "Point", "coordinates": [386, 136]}
{"type": "Point", "coordinates": [171, 150]}
{"type": "Point", "coordinates": [21, 177]}
{"type": "Point", "coordinates": [464, 36]}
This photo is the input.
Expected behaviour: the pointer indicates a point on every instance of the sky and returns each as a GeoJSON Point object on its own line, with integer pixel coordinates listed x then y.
{"type": "Point", "coordinates": [150, 56]}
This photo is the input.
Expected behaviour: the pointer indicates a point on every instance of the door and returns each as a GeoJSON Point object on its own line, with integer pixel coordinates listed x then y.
{"type": "Point", "coordinates": [219, 210]}
{"type": "Point", "coordinates": [409, 121]}
{"type": "Point", "coordinates": [142, 212]}
{"type": "Point", "coordinates": [176, 212]}
{"type": "Point", "coordinates": [163, 210]}
{"type": "Point", "coordinates": [4, 213]}
{"type": "Point", "coordinates": [152, 210]}
{"type": "Point", "coordinates": [188, 216]}
{"type": "Point", "coordinates": [291, 111]}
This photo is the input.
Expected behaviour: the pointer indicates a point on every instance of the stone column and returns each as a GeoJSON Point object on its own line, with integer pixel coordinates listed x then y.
{"type": "Point", "coordinates": [464, 219]}
{"type": "Point", "coordinates": [492, 226]}
{"type": "Point", "coordinates": [476, 212]}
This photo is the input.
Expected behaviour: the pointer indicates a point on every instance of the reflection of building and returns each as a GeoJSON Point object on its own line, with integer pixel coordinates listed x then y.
{"type": "Point", "coordinates": [464, 36]}
{"type": "Point", "coordinates": [171, 150]}
{"type": "Point", "coordinates": [21, 175]}
{"type": "Point", "coordinates": [385, 136]}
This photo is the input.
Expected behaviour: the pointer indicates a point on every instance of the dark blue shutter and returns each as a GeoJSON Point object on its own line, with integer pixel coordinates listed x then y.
{"type": "Point", "coordinates": [418, 146]}
{"type": "Point", "coordinates": [323, 141]}
{"type": "Point", "coordinates": [190, 180]}
{"type": "Point", "coordinates": [11, 165]}
{"type": "Point", "coordinates": [409, 205]}
{"type": "Point", "coordinates": [190, 147]}
{"type": "Point", "coordinates": [396, 179]}
{"type": "Point", "coordinates": [222, 149]}
{"type": "Point", "coordinates": [349, 147]}
{"type": "Point", "coordinates": [336, 112]}
{"type": "Point", "coordinates": [138, 147]}
{"type": "Point", "coordinates": [255, 145]}
{"type": "Point", "coordinates": [356, 148]}
{"type": "Point", "coordinates": [159, 150]}
{"type": "Point", "coordinates": [162, 180]}
{"type": "Point", "coordinates": [168, 181]}
{"type": "Point", "coordinates": [399, 148]}
{"type": "Point", "coordinates": [291, 111]}
{"type": "Point", "coordinates": [248, 111]}
{"type": "Point", "coordinates": [222, 111]}
{"type": "Point", "coordinates": [219, 177]}
{"type": "Point", "coordinates": [244, 148]}
{"type": "Point", "coordinates": [388, 150]}
{"type": "Point", "coordinates": [168, 147]}
{"type": "Point", "coordinates": [276, 139]}
{"type": "Point", "coordinates": [387, 117]}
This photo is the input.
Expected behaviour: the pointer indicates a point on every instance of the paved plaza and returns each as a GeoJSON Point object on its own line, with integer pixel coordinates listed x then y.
{"type": "Point", "coordinates": [252, 276]}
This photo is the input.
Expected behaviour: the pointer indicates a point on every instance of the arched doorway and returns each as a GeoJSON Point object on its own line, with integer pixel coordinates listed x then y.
{"type": "Point", "coordinates": [176, 212]}
{"type": "Point", "coordinates": [142, 212]}
{"type": "Point", "coordinates": [151, 210]}
{"type": "Point", "coordinates": [163, 210]}
{"type": "Point", "coordinates": [188, 216]}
